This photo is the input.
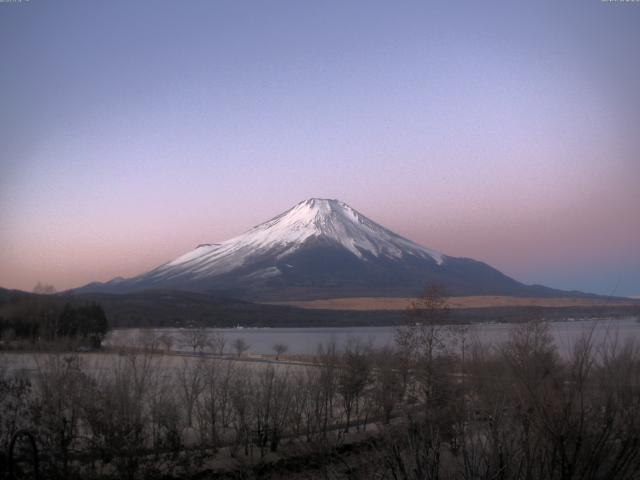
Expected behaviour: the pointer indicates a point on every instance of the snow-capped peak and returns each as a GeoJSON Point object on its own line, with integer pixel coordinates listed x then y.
{"type": "Point", "coordinates": [330, 220]}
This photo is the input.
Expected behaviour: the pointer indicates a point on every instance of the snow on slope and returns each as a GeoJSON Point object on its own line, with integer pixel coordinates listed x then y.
{"type": "Point", "coordinates": [314, 218]}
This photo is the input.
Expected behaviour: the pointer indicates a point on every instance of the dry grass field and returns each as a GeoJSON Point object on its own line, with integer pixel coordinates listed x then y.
{"type": "Point", "coordinates": [393, 303]}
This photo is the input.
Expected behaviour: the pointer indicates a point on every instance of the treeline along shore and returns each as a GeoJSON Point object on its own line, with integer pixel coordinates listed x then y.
{"type": "Point", "coordinates": [184, 309]}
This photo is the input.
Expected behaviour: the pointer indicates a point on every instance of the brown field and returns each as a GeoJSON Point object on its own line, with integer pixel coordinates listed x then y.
{"type": "Point", "coordinates": [393, 303]}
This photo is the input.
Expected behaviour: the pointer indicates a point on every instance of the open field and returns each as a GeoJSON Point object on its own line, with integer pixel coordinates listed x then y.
{"type": "Point", "coordinates": [400, 303]}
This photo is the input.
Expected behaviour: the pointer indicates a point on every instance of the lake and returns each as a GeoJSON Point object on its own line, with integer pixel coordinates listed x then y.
{"type": "Point", "coordinates": [306, 340]}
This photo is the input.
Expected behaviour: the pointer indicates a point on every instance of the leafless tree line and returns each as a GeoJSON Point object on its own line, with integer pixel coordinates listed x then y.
{"type": "Point", "coordinates": [516, 411]}
{"type": "Point", "coordinates": [431, 408]}
{"type": "Point", "coordinates": [140, 413]}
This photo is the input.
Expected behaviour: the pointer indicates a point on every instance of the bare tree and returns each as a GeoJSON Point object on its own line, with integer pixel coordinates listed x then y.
{"type": "Point", "coordinates": [423, 336]}
{"type": "Point", "coordinates": [149, 340]}
{"type": "Point", "coordinates": [240, 346]}
{"type": "Point", "coordinates": [271, 402]}
{"type": "Point", "coordinates": [116, 412]}
{"type": "Point", "coordinates": [196, 338]}
{"type": "Point", "coordinates": [425, 331]}
{"type": "Point", "coordinates": [215, 407]}
{"type": "Point", "coordinates": [388, 384]}
{"type": "Point", "coordinates": [325, 387]}
{"type": "Point", "coordinates": [354, 376]}
{"type": "Point", "coordinates": [166, 340]}
{"type": "Point", "coordinates": [217, 342]}
{"type": "Point", "coordinates": [280, 349]}
{"type": "Point", "coordinates": [191, 379]}
{"type": "Point", "coordinates": [60, 384]}
{"type": "Point", "coordinates": [299, 400]}
{"type": "Point", "coordinates": [240, 399]}
{"type": "Point", "coordinates": [460, 334]}
{"type": "Point", "coordinates": [531, 353]}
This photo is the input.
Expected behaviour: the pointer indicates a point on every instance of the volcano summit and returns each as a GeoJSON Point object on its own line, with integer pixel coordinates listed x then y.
{"type": "Point", "coordinates": [317, 249]}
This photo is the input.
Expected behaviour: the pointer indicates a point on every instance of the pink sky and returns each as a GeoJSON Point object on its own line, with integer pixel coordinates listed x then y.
{"type": "Point", "coordinates": [507, 135]}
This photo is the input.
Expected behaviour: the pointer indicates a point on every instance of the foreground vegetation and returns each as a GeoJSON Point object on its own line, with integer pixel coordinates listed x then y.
{"type": "Point", "coordinates": [413, 412]}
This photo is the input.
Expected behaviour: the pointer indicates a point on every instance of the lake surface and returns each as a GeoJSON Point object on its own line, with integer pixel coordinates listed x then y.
{"type": "Point", "coordinates": [306, 340]}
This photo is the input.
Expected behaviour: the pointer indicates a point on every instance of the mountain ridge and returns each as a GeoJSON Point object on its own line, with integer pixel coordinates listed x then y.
{"type": "Point", "coordinates": [322, 248]}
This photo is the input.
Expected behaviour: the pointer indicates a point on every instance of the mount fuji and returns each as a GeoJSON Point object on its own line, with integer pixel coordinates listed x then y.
{"type": "Point", "coordinates": [321, 248]}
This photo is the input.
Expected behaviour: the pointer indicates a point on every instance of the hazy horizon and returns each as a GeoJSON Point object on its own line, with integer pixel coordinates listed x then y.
{"type": "Point", "coordinates": [504, 132]}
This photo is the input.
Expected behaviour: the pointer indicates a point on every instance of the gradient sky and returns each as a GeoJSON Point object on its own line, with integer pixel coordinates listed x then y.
{"type": "Point", "coordinates": [131, 131]}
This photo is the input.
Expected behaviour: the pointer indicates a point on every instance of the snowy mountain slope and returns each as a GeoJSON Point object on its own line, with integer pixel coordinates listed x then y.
{"type": "Point", "coordinates": [320, 248]}
{"type": "Point", "coordinates": [283, 235]}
